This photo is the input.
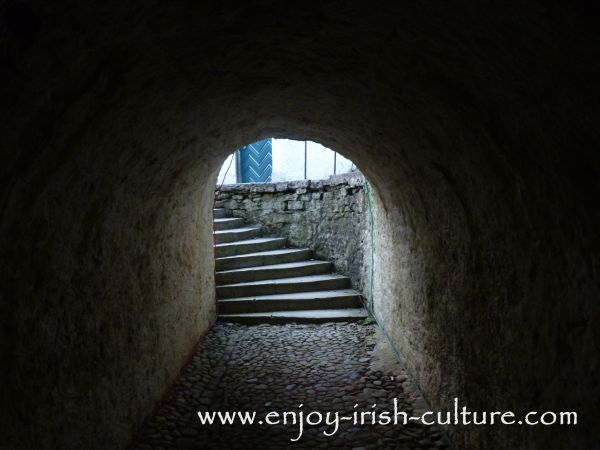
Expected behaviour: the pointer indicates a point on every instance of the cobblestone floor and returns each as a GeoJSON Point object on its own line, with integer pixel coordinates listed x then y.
{"type": "Point", "coordinates": [328, 367]}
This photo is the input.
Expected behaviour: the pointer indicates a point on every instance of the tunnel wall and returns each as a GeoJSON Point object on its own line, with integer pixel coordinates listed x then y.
{"type": "Point", "coordinates": [476, 124]}
{"type": "Point", "coordinates": [110, 305]}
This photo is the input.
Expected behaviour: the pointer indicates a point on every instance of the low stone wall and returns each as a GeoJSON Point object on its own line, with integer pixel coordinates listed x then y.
{"type": "Point", "coordinates": [329, 216]}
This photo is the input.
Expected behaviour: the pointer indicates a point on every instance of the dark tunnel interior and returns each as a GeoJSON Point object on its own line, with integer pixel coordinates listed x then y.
{"type": "Point", "coordinates": [476, 122]}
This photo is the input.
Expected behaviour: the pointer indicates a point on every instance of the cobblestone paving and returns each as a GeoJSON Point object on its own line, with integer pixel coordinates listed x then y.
{"type": "Point", "coordinates": [329, 367]}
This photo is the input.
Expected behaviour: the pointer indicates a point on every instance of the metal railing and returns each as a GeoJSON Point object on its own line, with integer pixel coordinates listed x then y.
{"type": "Point", "coordinates": [352, 168]}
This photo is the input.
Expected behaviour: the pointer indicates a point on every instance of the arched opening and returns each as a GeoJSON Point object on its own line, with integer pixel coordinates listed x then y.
{"type": "Point", "coordinates": [271, 369]}
{"type": "Point", "coordinates": [276, 160]}
{"type": "Point", "coordinates": [294, 240]}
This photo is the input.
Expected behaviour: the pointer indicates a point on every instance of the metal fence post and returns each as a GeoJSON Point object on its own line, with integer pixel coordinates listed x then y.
{"type": "Point", "coordinates": [334, 162]}
{"type": "Point", "coordinates": [238, 167]}
{"type": "Point", "coordinates": [305, 154]}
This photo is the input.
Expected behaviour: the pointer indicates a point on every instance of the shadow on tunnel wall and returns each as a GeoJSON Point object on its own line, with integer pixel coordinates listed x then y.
{"type": "Point", "coordinates": [477, 124]}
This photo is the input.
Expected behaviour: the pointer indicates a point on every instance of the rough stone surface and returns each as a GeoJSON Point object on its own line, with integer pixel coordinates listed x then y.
{"type": "Point", "coordinates": [476, 123]}
{"type": "Point", "coordinates": [325, 368]}
{"type": "Point", "coordinates": [328, 216]}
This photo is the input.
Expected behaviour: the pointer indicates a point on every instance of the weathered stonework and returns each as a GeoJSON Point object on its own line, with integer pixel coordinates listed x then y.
{"type": "Point", "coordinates": [328, 216]}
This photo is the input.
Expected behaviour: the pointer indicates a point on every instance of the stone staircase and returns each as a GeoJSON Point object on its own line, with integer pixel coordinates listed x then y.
{"type": "Point", "coordinates": [259, 280]}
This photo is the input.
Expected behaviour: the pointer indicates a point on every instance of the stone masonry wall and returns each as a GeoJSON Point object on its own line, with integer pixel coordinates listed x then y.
{"type": "Point", "coordinates": [328, 216]}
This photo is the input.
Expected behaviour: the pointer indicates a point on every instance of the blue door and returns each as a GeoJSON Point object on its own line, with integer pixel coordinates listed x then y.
{"type": "Point", "coordinates": [256, 162]}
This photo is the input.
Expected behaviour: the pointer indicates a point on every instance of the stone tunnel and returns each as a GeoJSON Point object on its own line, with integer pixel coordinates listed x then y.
{"type": "Point", "coordinates": [476, 123]}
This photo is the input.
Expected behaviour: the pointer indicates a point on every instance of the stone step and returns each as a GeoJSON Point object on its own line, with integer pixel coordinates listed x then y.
{"type": "Point", "coordinates": [305, 316]}
{"type": "Point", "coordinates": [236, 234]}
{"type": "Point", "coordinates": [227, 223]}
{"type": "Point", "coordinates": [283, 255]}
{"type": "Point", "coordinates": [284, 285]}
{"type": "Point", "coordinates": [343, 298]}
{"type": "Point", "coordinates": [273, 271]}
{"type": "Point", "coordinates": [249, 246]}
{"type": "Point", "coordinates": [219, 213]}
